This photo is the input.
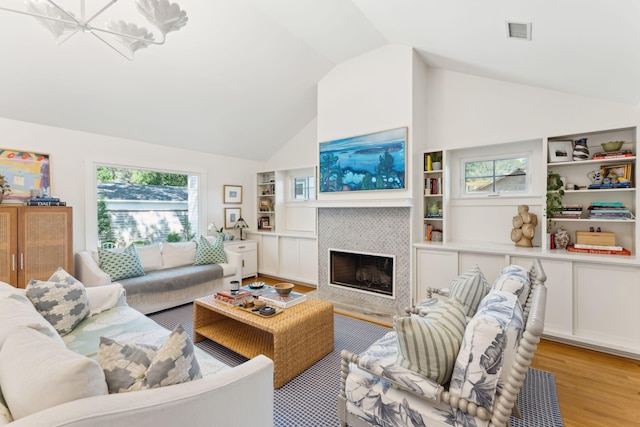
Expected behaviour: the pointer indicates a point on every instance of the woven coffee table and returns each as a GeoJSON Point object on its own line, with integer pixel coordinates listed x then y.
{"type": "Point", "coordinates": [294, 339]}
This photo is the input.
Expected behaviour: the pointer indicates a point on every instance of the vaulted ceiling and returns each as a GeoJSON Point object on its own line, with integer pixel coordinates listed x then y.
{"type": "Point", "coordinates": [240, 78]}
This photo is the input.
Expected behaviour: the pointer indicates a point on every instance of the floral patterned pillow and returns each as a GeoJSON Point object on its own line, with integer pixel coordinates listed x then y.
{"type": "Point", "coordinates": [488, 349]}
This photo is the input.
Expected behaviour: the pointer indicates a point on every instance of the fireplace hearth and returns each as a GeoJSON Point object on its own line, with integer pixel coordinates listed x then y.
{"type": "Point", "coordinates": [360, 271]}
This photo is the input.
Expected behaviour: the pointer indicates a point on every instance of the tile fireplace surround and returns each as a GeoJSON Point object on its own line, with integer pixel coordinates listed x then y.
{"type": "Point", "coordinates": [380, 230]}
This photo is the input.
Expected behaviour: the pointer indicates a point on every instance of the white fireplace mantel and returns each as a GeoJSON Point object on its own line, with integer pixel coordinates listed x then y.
{"type": "Point", "coordinates": [363, 203]}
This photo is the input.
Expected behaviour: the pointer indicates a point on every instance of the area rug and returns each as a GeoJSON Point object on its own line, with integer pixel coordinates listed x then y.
{"type": "Point", "coordinates": [310, 399]}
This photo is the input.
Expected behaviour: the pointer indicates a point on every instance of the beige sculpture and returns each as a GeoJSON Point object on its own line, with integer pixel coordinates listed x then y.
{"type": "Point", "coordinates": [524, 227]}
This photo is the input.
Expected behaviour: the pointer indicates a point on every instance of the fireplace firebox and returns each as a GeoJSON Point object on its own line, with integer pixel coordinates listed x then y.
{"type": "Point", "coordinates": [362, 271]}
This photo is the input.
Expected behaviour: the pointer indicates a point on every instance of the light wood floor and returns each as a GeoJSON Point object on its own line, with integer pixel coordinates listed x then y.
{"type": "Point", "coordinates": [594, 389]}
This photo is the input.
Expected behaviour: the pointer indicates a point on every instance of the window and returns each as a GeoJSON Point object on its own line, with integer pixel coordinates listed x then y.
{"type": "Point", "coordinates": [496, 176]}
{"type": "Point", "coordinates": [141, 207]}
{"type": "Point", "coordinates": [304, 188]}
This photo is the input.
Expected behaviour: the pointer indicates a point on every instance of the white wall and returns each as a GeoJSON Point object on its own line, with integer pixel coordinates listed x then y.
{"type": "Point", "coordinates": [469, 111]}
{"type": "Point", "coordinates": [73, 154]}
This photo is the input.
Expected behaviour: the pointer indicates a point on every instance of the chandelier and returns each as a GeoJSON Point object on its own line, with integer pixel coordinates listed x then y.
{"type": "Point", "coordinates": [124, 37]}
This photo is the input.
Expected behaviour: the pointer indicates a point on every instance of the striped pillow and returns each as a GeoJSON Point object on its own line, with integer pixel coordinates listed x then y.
{"type": "Point", "coordinates": [470, 288]}
{"type": "Point", "coordinates": [429, 345]}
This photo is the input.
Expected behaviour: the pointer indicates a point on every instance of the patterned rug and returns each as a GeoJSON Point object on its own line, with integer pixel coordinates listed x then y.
{"type": "Point", "coordinates": [310, 399]}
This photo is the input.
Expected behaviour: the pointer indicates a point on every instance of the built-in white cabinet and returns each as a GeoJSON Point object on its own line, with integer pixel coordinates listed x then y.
{"type": "Point", "coordinates": [288, 257]}
{"type": "Point", "coordinates": [591, 300]}
{"type": "Point", "coordinates": [249, 251]}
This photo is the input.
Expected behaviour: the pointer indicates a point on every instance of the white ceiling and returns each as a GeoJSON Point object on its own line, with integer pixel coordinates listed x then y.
{"type": "Point", "coordinates": [240, 78]}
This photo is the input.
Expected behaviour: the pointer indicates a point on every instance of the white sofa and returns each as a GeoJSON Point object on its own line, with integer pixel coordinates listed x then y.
{"type": "Point", "coordinates": [170, 277]}
{"type": "Point", "coordinates": [49, 396]}
{"type": "Point", "coordinates": [487, 365]}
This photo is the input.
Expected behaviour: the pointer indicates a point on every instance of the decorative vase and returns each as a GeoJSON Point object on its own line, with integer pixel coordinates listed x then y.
{"type": "Point", "coordinates": [436, 166]}
{"type": "Point", "coordinates": [580, 149]}
{"type": "Point", "coordinates": [562, 238]}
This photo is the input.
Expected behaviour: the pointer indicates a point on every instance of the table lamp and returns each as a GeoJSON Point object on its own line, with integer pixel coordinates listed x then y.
{"type": "Point", "coordinates": [241, 223]}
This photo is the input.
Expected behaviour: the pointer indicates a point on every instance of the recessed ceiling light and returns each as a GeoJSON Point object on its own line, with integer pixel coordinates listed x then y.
{"type": "Point", "coordinates": [519, 30]}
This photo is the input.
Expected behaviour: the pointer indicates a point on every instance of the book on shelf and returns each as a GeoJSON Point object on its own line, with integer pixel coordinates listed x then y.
{"type": "Point", "coordinates": [612, 154]}
{"type": "Point", "coordinates": [428, 228]}
{"type": "Point", "coordinates": [624, 252]}
{"type": "Point", "coordinates": [38, 203]}
{"type": "Point", "coordinates": [610, 185]}
{"type": "Point", "coordinates": [273, 298]}
{"type": "Point", "coordinates": [599, 247]}
{"type": "Point", "coordinates": [45, 199]}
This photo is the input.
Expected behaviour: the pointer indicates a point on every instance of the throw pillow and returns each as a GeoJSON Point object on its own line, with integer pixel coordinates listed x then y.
{"type": "Point", "coordinates": [515, 279]}
{"type": "Point", "coordinates": [178, 254]}
{"type": "Point", "coordinates": [488, 349]}
{"type": "Point", "coordinates": [63, 305]}
{"type": "Point", "coordinates": [429, 345]}
{"type": "Point", "coordinates": [210, 253]}
{"type": "Point", "coordinates": [37, 372]}
{"type": "Point", "coordinates": [150, 257]}
{"type": "Point", "coordinates": [470, 288]}
{"type": "Point", "coordinates": [16, 312]}
{"type": "Point", "coordinates": [120, 264]}
{"type": "Point", "coordinates": [130, 366]}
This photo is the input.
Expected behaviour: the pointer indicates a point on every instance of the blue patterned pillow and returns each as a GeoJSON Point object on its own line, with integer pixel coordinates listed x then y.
{"type": "Point", "coordinates": [132, 366]}
{"type": "Point", "coordinates": [210, 253]}
{"type": "Point", "coordinates": [514, 279]}
{"type": "Point", "coordinates": [64, 305]}
{"type": "Point", "coordinates": [121, 264]}
{"type": "Point", "coordinates": [488, 349]}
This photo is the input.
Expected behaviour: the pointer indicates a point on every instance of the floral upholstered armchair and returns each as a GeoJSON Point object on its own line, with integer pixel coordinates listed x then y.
{"type": "Point", "coordinates": [453, 362]}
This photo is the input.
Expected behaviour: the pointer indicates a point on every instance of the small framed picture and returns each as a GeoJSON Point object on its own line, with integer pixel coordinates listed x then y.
{"type": "Point", "coordinates": [264, 205]}
{"type": "Point", "coordinates": [617, 173]}
{"type": "Point", "coordinates": [231, 215]}
{"type": "Point", "coordinates": [560, 151]}
{"type": "Point", "coordinates": [233, 194]}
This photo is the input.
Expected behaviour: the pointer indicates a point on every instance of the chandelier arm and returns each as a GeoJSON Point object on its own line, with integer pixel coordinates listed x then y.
{"type": "Point", "coordinates": [76, 21]}
{"type": "Point", "coordinates": [35, 15]}
{"type": "Point", "coordinates": [113, 47]}
{"type": "Point", "coordinates": [59, 42]}
{"type": "Point", "coordinates": [108, 5]}
{"type": "Point", "coordinates": [115, 33]}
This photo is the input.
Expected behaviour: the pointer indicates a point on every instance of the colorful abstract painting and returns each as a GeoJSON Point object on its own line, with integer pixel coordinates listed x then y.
{"type": "Point", "coordinates": [376, 161]}
{"type": "Point", "coordinates": [24, 171]}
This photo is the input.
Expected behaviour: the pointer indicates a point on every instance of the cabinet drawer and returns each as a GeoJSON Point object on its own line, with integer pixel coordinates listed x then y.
{"type": "Point", "coordinates": [242, 247]}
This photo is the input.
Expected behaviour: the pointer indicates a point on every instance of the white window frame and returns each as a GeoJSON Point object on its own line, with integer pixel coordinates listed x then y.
{"type": "Point", "coordinates": [526, 192]}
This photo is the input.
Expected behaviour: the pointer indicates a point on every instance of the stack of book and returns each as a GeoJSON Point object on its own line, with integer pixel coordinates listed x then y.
{"type": "Point", "coordinates": [608, 210]}
{"type": "Point", "coordinates": [620, 154]}
{"type": "Point", "coordinates": [45, 201]}
{"type": "Point", "coordinates": [272, 298]}
{"type": "Point", "coordinates": [234, 297]}
{"type": "Point", "coordinates": [626, 184]}
{"type": "Point", "coordinates": [599, 249]}
{"type": "Point", "coordinates": [432, 186]}
{"type": "Point", "coordinates": [569, 212]}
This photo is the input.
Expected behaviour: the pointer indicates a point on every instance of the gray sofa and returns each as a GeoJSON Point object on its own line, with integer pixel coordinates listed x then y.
{"type": "Point", "coordinates": [170, 277]}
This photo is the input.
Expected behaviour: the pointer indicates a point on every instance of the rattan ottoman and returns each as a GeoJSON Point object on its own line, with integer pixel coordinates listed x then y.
{"type": "Point", "coordinates": [294, 339]}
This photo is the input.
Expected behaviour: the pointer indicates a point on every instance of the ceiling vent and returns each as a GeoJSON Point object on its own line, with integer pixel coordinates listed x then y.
{"type": "Point", "coordinates": [519, 30]}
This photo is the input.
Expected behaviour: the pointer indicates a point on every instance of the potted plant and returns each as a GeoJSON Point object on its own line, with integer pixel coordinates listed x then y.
{"type": "Point", "coordinates": [4, 188]}
{"type": "Point", "coordinates": [555, 192]}
{"type": "Point", "coordinates": [436, 158]}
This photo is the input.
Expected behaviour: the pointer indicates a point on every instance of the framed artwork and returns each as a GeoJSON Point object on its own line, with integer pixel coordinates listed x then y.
{"type": "Point", "coordinates": [233, 194]}
{"type": "Point", "coordinates": [264, 205]}
{"type": "Point", "coordinates": [560, 151]}
{"type": "Point", "coordinates": [615, 172]}
{"type": "Point", "coordinates": [231, 215]}
{"type": "Point", "coordinates": [23, 171]}
{"type": "Point", "coordinates": [376, 161]}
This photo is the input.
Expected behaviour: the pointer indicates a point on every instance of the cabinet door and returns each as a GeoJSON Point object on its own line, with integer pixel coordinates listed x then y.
{"type": "Point", "coordinates": [44, 242]}
{"type": "Point", "coordinates": [8, 245]}
{"type": "Point", "coordinates": [270, 257]}
{"type": "Point", "coordinates": [435, 269]}
{"type": "Point", "coordinates": [606, 305]}
{"type": "Point", "coordinates": [289, 255]}
{"type": "Point", "coordinates": [309, 260]}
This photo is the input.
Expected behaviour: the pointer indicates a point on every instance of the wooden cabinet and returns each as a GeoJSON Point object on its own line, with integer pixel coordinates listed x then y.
{"type": "Point", "coordinates": [249, 251]}
{"type": "Point", "coordinates": [34, 242]}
